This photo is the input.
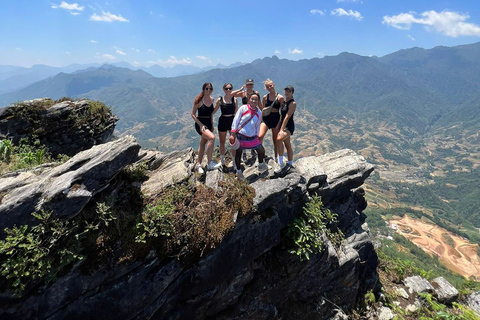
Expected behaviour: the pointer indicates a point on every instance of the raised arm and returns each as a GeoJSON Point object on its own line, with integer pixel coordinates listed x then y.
{"type": "Point", "coordinates": [239, 92]}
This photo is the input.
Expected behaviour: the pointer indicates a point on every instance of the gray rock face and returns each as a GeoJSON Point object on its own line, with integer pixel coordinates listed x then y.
{"type": "Point", "coordinates": [385, 314]}
{"type": "Point", "coordinates": [250, 275]}
{"type": "Point", "coordinates": [418, 284]}
{"type": "Point", "coordinates": [56, 127]}
{"type": "Point", "coordinates": [169, 169]}
{"type": "Point", "coordinates": [473, 302]}
{"type": "Point", "coordinates": [445, 292]}
{"type": "Point", "coordinates": [65, 189]}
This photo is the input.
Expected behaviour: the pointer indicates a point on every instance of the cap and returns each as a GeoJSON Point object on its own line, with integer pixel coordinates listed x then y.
{"type": "Point", "coordinates": [289, 87]}
{"type": "Point", "coordinates": [249, 81]}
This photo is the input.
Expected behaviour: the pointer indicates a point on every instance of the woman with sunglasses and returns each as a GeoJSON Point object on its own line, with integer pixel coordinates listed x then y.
{"type": "Point", "coordinates": [203, 104]}
{"type": "Point", "coordinates": [286, 129]}
{"type": "Point", "coordinates": [245, 128]}
{"type": "Point", "coordinates": [228, 107]}
{"type": "Point", "coordinates": [271, 121]}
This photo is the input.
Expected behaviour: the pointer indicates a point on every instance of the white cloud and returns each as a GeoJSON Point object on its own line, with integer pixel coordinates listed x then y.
{"type": "Point", "coordinates": [136, 50]}
{"type": "Point", "coordinates": [108, 17]}
{"type": "Point", "coordinates": [70, 7]}
{"type": "Point", "coordinates": [277, 52]}
{"type": "Point", "coordinates": [350, 13]}
{"type": "Point", "coordinates": [18, 49]}
{"type": "Point", "coordinates": [108, 57]}
{"type": "Point", "coordinates": [74, 13]}
{"type": "Point", "coordinates": [338, 1]}
{"type": "Point", "coordinates": [136, 63]}
{"type": "Point", "coordinates": [448, 23]}
{"type": "Point", "coordinates": [316, 11]}
{"type": "Point", "coordinates": [93, 41]}
{"type": "Point", "coordinates": [152, 51]}
{"type": "Point", "coordinates": [121, 52]}
{"type": "Point", "coordinates": [295, 51]}
{"type": "Point", "coordinates": [411, 38]}
{"type": "Point", "coordinates": [202, 57]}
{"type": "Point", "coordinates": [171, 61]}
{"type": "Point", "coordinates": [67, 52]}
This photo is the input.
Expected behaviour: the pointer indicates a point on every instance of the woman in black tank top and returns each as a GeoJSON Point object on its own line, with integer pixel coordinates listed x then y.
{"type": "Point", "coordinates": [203, 104]}
{"type": "Point", "coordinates": [287, 127]}
{"type": "Point", "coordinates": [272, 120]}
{"type": "Point", "coordinates": [228, 107]}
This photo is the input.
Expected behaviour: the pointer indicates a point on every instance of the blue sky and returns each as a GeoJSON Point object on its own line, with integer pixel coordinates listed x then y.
{"type": "Point", "coordinates": [200, 33]}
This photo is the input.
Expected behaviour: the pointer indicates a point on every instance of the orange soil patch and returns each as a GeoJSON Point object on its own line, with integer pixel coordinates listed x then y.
{"type": "Point", "coordinates": [461, 258]}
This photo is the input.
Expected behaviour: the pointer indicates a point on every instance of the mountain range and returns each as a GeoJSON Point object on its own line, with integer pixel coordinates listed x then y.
{"type": "Point", "coordinates": [13, 77]}
{"type": "Point", "coordinates": [415, 88]}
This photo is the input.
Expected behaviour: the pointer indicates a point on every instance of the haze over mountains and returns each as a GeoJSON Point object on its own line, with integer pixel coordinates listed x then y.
{"type": "Point", "coordinates": [14, 77]}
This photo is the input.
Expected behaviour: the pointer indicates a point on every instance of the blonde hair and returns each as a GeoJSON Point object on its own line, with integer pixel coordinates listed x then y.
{"type": "Point", "coordinates": [267, 81]}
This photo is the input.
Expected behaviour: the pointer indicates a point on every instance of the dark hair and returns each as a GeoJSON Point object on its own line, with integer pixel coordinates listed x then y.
{"type": "Point", "coordinates": [199, 97]}
{"type": "Point", "coordinates": [254, 94]}
{"type": "Point", "coordinates": [227, 84]}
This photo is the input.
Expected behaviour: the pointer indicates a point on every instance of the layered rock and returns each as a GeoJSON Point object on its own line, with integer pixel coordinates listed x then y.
{"type": "Point", "coordinates": [67, 188]}
{"type": "Point", "coordinates": [66, 127]}
{"type": "Point", "coordinates": [250, 275]}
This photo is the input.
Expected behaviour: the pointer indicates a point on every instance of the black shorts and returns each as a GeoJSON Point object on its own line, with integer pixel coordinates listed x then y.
{"type": "Point", "coordinates": [272, 120]}
{"type": "Point", "coordinates": [290, 126]}
{"type": "Point", "coordinates": [225, 123]}
{"type": "Point", "coordinates": [206, 122]}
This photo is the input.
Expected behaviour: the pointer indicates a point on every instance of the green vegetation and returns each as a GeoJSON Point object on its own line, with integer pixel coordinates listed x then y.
{"type": "Point", "coordinates": [184, 221]}
{"type": "Point", "coordinates": [28, 154]}
{"type": "Point", "coordinates": [306, 232]}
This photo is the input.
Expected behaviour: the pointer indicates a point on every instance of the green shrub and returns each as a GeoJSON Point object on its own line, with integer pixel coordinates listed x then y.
{"type": "Point", "coordinates": [6, 149]}
{"type": "Point", "coordinates": [307, 231]}
{"type": "Point", "coordinates": [29, 254]}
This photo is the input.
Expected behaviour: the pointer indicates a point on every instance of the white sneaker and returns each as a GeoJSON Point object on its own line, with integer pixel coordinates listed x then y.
{"type": "Point", "coordinates": [262, 167]}
{"type": "Point", "coordinates": [213, 165]}
{"type": "Point", "coordinates": [279, 168]}
{"type": "Point", "coordinates": [240, 175]}
{"type": "Point", "coordinates": [200, 169]}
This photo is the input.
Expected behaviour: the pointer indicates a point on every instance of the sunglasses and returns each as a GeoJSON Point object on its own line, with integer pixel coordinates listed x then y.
{"type": "Point", "coordinates": [229, 88]}
{"type": "Point", "coordinates": [209, 89]}
{"type": "Point", "coordinates": [288, 90]}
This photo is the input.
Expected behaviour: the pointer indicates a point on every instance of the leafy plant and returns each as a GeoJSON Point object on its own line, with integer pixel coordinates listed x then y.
{"type": "Point", "coordinates": [307, 231]}
{"type": "Point", "coordinates": [6, 149]}
{"type": "Point", "coordinates": [156, 221]}
{"type": "Point", "coordinates": [30, 254]}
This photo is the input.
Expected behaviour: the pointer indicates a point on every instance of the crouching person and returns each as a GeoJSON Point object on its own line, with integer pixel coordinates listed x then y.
{"type": "Point", "coordinates": [245, 129]}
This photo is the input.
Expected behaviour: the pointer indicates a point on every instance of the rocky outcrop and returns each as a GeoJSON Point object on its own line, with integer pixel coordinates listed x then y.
{"type": "Point", "coordinates": [250, 275]}
{"type": "Point", "coordinates": [444, 291]}
{"type": "Point", "coordinates": [67, 188]}
{"type": "Point", "coordinates": [473, 302]}
{"type": "Point", "coordinates": [417, 284]}
{"type": "Point", "coordinates": [67, 127]}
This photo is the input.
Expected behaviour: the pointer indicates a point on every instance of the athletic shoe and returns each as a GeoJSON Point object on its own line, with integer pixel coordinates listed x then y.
{"type": "Point", "coordinates": [213, 165]}
{"type": "Point", "coordinates": [200, 169]}
{"type": "Point", "coordinates": [262, 167]}
{"type": "Point", "coordinates": [240, 175]}
{"type": "Point", "coordinates": [279, 168]}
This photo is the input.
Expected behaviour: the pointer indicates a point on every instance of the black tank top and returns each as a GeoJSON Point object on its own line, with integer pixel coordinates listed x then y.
{"type": "Point", "coordinates": [205, 111]}
{"type": "Point", "coordinates": [245, 99]}
{"type": "Point", "coordinates": [276, 105]}
{"type": "Point", "coordinates": [284, 110]}
{"type": "Point", "coordinates": [227, 108]}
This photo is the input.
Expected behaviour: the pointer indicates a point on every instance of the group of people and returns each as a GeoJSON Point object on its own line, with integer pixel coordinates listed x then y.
{"type": "Point", "coordinates": [248, 123]}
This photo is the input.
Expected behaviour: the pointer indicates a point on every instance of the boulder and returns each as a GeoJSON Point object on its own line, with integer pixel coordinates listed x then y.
{"type": "Point", "coordinates": [67, 188]}
{"type": "Point", "coordinates": [418, 284]}
{"type": "Point", "coordinates": [168, 169]}
{"type": "Point", "coordinates": [473, 302]}
{"type": "Point", "coordinates": [63, 128]}
{"type": "Point", "coordinates": [444, 291]}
